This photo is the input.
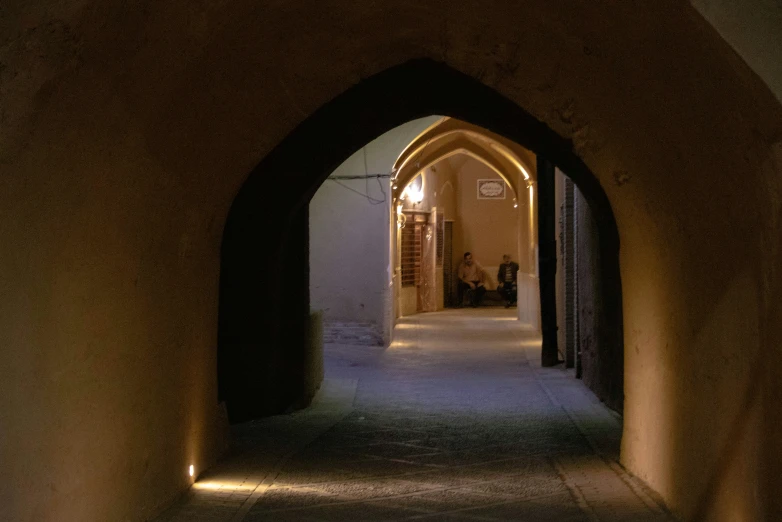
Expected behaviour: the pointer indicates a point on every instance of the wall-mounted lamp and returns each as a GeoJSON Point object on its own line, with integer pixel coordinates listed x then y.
{"type": "Point", "coordinates": [401, 219]}
{"type": "Point", "coordinates": [416, 189]}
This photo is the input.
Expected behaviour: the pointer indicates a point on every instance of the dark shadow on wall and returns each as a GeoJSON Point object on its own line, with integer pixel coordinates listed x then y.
{"type": "Point", "coordinates": [597, 360]}
{"type": "Point", "coordinates": [264, 291]}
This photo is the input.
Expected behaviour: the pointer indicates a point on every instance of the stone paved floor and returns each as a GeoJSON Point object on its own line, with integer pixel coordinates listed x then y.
{"type": "Point", "coordinates": [454, 421]}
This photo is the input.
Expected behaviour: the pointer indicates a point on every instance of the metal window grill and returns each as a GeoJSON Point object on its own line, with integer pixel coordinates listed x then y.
{"type": "Point", "coordinates": [440, 238]}
{"type": "Point", "coordinates": [411, 252]}
{"type": "Point", "coordinates": [448, 275]}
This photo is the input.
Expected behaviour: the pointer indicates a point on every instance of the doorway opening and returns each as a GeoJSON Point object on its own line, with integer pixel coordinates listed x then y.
{"type": "Point", "coordinates": [468, 187]}
{"type": "Point", "coordinates": [265, 360]}
{"type": "Point", "coordinates": [385, 224]}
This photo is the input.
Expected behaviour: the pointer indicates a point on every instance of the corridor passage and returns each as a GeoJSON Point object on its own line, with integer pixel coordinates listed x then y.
{"type": "Point", "coordinates": [455, 421]}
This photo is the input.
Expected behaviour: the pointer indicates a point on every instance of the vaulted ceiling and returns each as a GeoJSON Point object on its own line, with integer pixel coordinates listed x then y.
{"type": "Point", "coordinates": [450, 137]}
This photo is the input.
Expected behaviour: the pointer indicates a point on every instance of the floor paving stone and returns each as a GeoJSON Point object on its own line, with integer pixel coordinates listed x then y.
{"type": "Point", "coordinates": [456, 420]}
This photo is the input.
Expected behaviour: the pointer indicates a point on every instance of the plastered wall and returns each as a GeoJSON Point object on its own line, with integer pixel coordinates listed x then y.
{"type": "Point", "coordinates": [754, 29]}
{"type": "Point", "coordinates": [349, 271]}
{"type": "Point", "coordinates": [127, 131]}
{"type": "Point", "coordinates": [350, 266]}
{"type": "Point", "coordinates": [489, 228]}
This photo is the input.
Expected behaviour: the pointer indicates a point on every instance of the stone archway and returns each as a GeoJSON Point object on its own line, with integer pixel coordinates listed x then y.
{"type": "Point", "coordinates": [450, 137]}
{"type": "Point", "coordinates": [262, 347]}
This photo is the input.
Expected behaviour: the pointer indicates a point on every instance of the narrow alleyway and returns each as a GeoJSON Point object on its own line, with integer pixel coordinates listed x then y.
{"type": "Point", "coordinates": [455, 421]}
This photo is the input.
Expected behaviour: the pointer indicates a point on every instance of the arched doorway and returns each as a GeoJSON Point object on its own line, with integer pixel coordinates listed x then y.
{"type": "Point", "coordinates": [263, 358]}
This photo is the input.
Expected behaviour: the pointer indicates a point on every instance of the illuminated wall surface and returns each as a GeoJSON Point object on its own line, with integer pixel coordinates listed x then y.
{"type": "Point", "coordinates": [127, 133]}
{"type": "Point", "coordinates": [443, 167]}
{"type": "Point", "coordinates": [349, 256]}
{"type": "Point", "coordinates": [489, 228]}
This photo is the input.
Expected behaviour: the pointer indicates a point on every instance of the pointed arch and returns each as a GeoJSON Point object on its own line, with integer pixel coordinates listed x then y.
{"type": "Point", "coordinates": [264, 359]}
{"type": "Point", "coordinates": [445, 150]}
{"type": "Point", "coordinates": [450, 136]}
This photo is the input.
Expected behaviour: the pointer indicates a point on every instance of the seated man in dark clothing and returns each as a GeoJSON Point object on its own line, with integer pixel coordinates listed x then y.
{"type": "Point", "coordinates": [471, 280]}
{"type": "Point", "coordinates": [506, 277]}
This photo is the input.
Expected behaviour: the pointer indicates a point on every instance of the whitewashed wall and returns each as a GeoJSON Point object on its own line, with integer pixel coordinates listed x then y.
{"type": "Point", "coordinates": [350, 274]}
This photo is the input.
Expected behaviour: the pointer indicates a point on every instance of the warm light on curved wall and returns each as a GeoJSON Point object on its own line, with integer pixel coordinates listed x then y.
{"type": "Point", "coordinates": [513, 152]}
{"type": "Point", "coordinates": [403, 182]}
{"type": "Point", "coordinates": [512, 163]}
{"type": "Point", "coordinates": [512, 158]}
{"type": "Point", "coordinates": [413, 189]}
{"type": "Point", "coordinates": [449, 137]}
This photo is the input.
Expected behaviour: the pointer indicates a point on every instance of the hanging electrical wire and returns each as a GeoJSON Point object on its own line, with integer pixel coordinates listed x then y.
{"type": "Point", "coordinates": [379, 184]}
{"type": "Point", "coordinates": [373, 201]}
{"type": "Point", "coordinates": [362, 176]}
{"type": "Point", "coordinates": [367, 176]}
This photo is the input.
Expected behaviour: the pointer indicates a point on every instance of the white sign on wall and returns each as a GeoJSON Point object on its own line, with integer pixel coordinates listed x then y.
{"type": "Point", "coordinates": [491, 189]}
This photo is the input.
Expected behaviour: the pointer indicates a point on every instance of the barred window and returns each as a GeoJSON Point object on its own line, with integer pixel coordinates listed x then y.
{"type": "Point", "coordinates": [411, 249]}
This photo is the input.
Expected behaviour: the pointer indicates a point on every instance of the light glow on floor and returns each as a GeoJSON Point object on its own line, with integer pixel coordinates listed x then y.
{"type": "Point", "coordinates": [218, 485]}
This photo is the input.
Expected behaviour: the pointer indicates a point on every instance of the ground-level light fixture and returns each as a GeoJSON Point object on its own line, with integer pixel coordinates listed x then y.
{"type": "Point", "coordinates": [191, 470]}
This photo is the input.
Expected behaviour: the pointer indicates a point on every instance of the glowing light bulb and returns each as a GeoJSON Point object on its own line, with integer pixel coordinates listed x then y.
{"type": "Point", "coordinates": [191, 470]}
